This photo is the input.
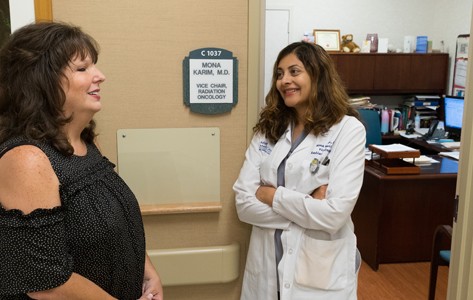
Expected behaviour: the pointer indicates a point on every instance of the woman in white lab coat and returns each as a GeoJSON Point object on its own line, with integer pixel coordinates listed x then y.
{"type": "Point", "coordinates": [299, 184]}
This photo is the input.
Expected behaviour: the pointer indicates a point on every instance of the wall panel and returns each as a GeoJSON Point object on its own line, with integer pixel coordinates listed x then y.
{"type": "Point", "coordinates": [143, 44]}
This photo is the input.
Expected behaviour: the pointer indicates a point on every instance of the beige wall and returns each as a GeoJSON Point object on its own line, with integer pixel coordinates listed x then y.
{"type": "Point", "coordinates": [143, 44]}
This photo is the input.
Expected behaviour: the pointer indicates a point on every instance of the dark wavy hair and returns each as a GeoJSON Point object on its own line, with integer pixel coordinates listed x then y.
{"type": "Point", "coordinates": [328, 99]}
{"type": "Point", "coordinates": [32, 64]}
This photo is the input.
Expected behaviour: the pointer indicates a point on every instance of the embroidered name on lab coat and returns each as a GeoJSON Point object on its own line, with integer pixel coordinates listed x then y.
{"type": "Point", "coordinates": [264, 147]}
{"type": "Point", "coordinates": [320, 149]}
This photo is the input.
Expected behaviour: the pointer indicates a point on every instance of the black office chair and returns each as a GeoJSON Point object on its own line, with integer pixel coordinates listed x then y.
{"type": "Point", "coordinates": [440, 255]}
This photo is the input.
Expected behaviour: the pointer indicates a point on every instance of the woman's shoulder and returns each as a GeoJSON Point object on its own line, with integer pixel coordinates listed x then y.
{"type": "Point", "coordinates": [260, 138]}
{"type": "Point", "coordinates": [348, 125]}
{"type": "Point", "coordinates": [28, 155]}
{"type": "Point", "coordinates": [27, 179]}
{"type": "Point", "coordinates": [25, 152]}
{"type": "Point", "coordinates": [351, 122]}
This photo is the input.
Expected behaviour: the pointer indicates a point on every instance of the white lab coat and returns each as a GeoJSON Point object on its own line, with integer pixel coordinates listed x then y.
{"type": "Point", "coordinates": [318, 237]}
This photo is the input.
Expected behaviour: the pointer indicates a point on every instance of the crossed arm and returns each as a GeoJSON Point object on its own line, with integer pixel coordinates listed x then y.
{"type": "Point", "coordinates": [265, 193]}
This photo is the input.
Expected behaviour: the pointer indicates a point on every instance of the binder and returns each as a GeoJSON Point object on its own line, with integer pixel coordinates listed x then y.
{"type": "Point", "coordinates": [426, 103]}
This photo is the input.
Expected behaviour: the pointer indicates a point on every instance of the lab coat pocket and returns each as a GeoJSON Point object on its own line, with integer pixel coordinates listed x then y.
{"type": "Point", "coordinates": [323, 174]}
{"type": "Point", "coordinates": [313, 176]}
{"type": "Point", "coordinates": [322, 264]}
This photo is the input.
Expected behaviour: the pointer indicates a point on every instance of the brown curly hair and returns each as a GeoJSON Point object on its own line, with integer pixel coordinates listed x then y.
{"type": "Point", "coordinates": [32, 63]}
{"type": "Point", "coordinates": [328, 99]}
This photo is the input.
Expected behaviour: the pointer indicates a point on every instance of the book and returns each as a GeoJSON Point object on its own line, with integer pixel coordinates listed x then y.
{"type": "Point", "coordinates": [451, 145]}
{"type": "Point", "coordinates": [422, 100]}
{"type": "Point", "coordinates": [425, 103]}
{"type": "Point", "coordinates": [451, 154]}
{"type": "Point", "coordinates": [427, 97]}
{"type": "Point", "coordinates": [360, 101]}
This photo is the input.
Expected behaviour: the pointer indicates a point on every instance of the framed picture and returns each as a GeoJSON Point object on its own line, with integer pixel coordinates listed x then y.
{"type": "Point", "coordinates": [328, 39]}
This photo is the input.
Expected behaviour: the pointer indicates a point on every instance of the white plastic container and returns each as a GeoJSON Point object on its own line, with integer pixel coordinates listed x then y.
{"type": "Point", "coordinates": [417, 122]}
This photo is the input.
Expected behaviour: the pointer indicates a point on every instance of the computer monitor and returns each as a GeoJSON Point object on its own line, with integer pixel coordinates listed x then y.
{"type": "Point", "coordinates": [452, 107]}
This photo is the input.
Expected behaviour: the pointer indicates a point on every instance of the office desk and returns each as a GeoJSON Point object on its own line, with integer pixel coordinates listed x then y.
{"type": "Point", "coordinates": [396, 215]}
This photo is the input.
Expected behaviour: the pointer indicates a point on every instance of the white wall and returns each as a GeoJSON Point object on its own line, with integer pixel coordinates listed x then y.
{"type": "Point", "coordinates": [21, 13]}
{"type": "Point", "coordinates": [440, 20]}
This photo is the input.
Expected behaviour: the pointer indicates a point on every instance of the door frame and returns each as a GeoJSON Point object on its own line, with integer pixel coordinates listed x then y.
{"type": "Point", "coordinates": [43, 10]}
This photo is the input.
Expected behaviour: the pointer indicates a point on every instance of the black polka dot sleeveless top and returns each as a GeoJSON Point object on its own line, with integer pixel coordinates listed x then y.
{"type": "Point", "coordinates": [97, 231]}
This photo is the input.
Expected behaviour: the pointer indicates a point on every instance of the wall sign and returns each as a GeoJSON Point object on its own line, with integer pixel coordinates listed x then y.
{"type": "Point", "coordinates": [210, 80]}
{"type": "Point", "coordinates": [460, 66]}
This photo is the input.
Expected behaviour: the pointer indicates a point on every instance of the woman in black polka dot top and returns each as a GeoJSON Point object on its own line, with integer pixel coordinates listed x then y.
{"type": "Point", "coordinates": [70, 227]}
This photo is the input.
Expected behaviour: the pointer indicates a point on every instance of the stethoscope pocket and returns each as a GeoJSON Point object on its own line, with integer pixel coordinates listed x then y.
{"type": "Point", "coordinates": [316, 163]}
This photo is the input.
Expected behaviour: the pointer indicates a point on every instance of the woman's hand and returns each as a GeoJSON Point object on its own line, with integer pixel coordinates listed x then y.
{"type": "Point", "coordinates": [152, 286]}
{"type": "Point", "coordinates": [149, 297]}
{"type": "Point", "coordinates": [265, 194]}
{"type": "Point", "coordinates": [152, 289]}
{"type": "Point", "coordinates": [320, 192]}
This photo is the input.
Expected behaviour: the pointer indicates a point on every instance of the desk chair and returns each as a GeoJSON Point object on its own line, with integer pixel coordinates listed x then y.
{"type": "Point", "coordinates": [440, 255]}
{"type": "Point", "coordinates": [370, 118]}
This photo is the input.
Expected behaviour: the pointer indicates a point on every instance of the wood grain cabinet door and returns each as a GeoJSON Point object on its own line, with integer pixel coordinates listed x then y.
{"type": "Point", "coordinates": [356, 71]}
{"type": "Point", "coordinates": [391, 72]}
{"type": "Point", "coordinates": [379, 73]}
{"type": "Point", "coordinates": [428, 72]}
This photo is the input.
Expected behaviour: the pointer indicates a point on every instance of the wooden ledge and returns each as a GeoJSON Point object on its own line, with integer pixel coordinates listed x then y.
{"type": "Point", "coordinates": [183, 208]}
